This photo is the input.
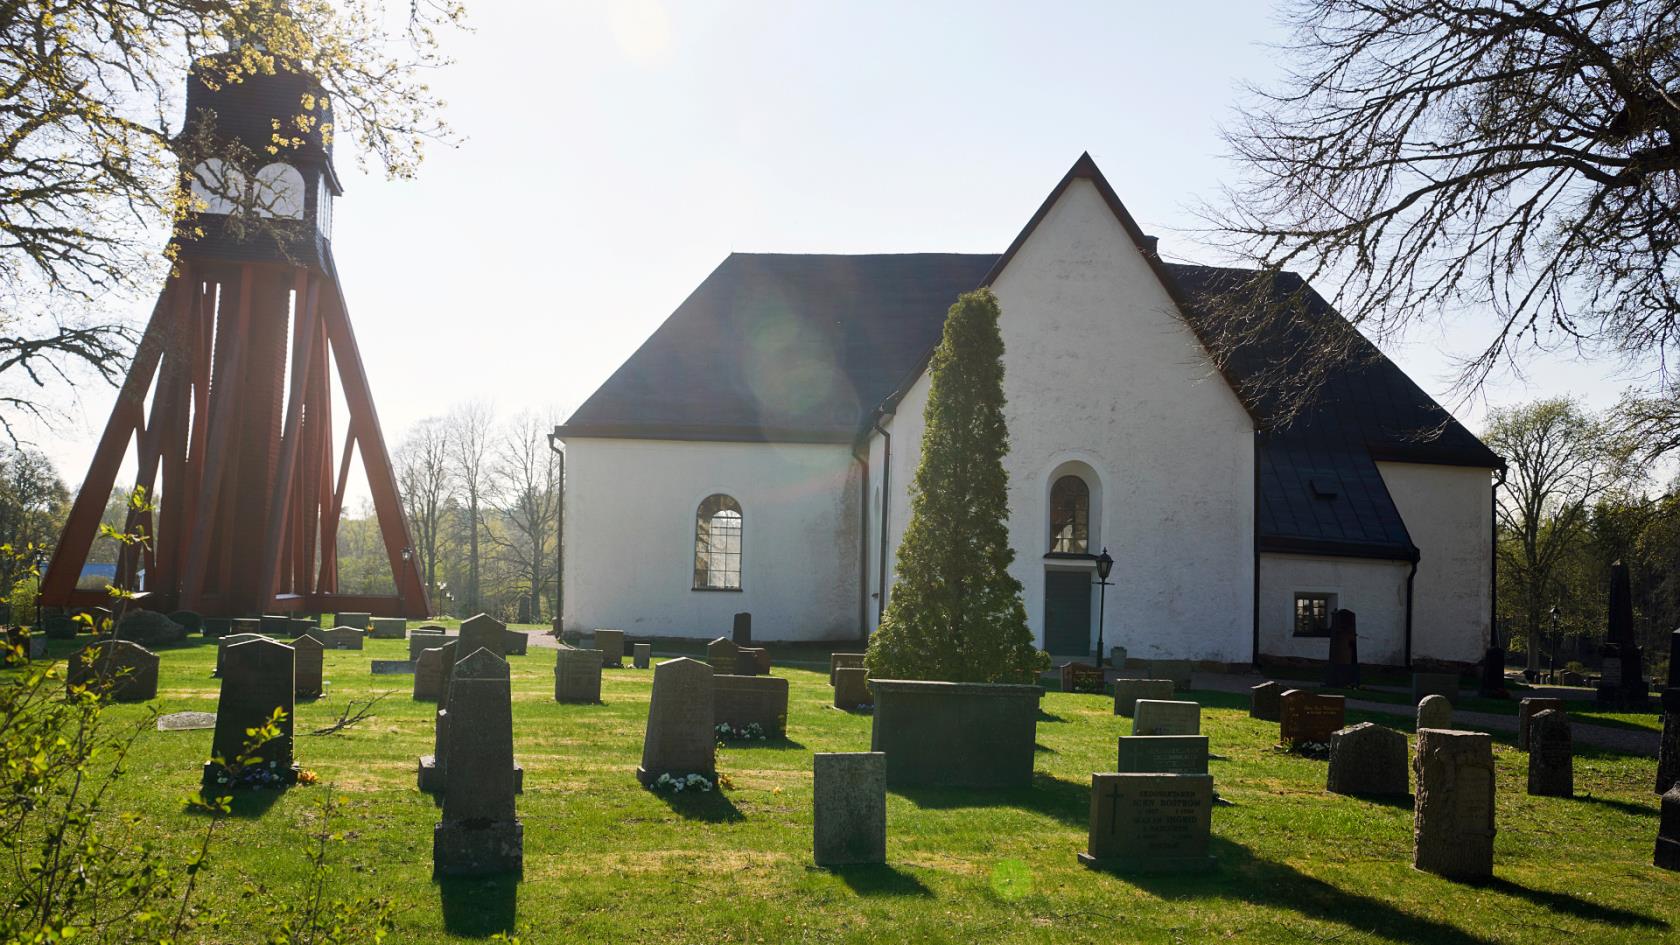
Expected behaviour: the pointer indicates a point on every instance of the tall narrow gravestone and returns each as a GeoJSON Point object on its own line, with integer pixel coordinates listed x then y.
{"type": "Point", "coordinates": [1527, 710]}
{"type": "Point", "coordinates": [1452, 819]}
{"type": "Point", "coordinates": [433, 768]}
{"type": "Point", "coordinates": [741, 631]}
{"type": "Point", "coordinates": [116, 670]}
{"type": "Point", "coordinates": [310, 665]}
{"type": "Point", "coordinates": [480, 834]}
{"type": "Point", "coordinates": [1150, 822]}
{"type": "Point", "coordinates": [1367, 760]}
{"type": "Point", "coordinates": [1342, 672]}
{"type": "Point", "coordinates": [1263, 701]}
{"type": "Point", "coordinates": [849, 808]}
{"type": "Point", "coordinates": [680, 739]}
{"type": "Point", "coordinates": [257, 680]}
{"type": "Point", "coordinates": [1551, 755]}
{"type": "Point", "coordinates": [577, 676]}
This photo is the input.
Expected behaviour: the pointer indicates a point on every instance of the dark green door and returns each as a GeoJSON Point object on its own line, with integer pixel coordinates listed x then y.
{"type": "Point", "coordinates": [1067, 613]}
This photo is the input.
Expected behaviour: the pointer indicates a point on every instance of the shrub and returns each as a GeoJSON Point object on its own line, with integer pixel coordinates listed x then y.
{"type": "Point", "coordinates": [149, 629]}
{"type": "Point", "coordinates": [189, 621]}
{"type": "Point", "coordinates": [22, 602]}
{"type": "Point", "coordinates": [955, 613]}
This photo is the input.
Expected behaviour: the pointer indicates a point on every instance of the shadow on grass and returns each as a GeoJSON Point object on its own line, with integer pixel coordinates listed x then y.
{"type": "Point", "coordinates": [1044, 716]}
{"type": "Point", "coordinates": [479, 907]}
{"type": "Point", "coordinates": [1215, 699]}
{"type": "Point", "coordinates": [1043, 748]}
{"type": "Point", "coordinates": [1066, 801]}
{"type": "Point", "coordinates": [880, 879]}
{"type": "Point", "coordinates": [1624, 807]}
{"type": "Point", "coordinates": [774, 743]}
{"type": "Point", "coordinates": [246, 803]}
{"type": "Point", "coordinates": [710, 807]}
{"type": "Point", "coordinates": [1402, 801]}
{"type": "Point", "coordinates": [1575, 906]}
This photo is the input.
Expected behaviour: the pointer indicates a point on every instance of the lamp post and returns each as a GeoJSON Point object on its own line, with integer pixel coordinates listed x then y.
{"type": "Point", "coordinates": [1557, 618]}
{"type": "Point", "coordinates": [1105, 564]}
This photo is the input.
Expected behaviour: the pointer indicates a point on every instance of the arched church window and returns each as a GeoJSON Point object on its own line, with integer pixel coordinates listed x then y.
{"type": "Point", "coordinates": [717, 544]}
{"type": "Point", "coordinates": [278, 192]}
{"type": "Point", "coordinates": [218, 185]}
{"type": "Point", "coordinates": [1070, 516]}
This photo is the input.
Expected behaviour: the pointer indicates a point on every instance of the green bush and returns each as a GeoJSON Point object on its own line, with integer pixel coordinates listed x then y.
{"type": "Point", "coordinates": [955, 613]}
{"type": "Point", "coordinates": [149, 629]}
{"type": "Point", "coordinates": [22, 602]}
{"type": "Point", "coordinates": [189, 621]}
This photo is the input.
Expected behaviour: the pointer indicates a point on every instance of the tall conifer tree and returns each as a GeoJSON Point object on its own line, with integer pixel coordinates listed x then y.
{"type": "Point", "coordinates": [955, 613]}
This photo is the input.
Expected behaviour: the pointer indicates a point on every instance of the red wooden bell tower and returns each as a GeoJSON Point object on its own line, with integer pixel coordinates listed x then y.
{"type": "Point", "coordinates": [229, 400]}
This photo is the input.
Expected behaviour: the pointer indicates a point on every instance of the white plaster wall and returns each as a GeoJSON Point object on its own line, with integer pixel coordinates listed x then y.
{"type": "Point", "coordinates": [1374, 590]}
{"type": "Point", "coordinates": [1100, 369]}
{"type": "Point", "coordinates": [629, 538]}
{"type": "Point", "coordinates": [1448, 512]}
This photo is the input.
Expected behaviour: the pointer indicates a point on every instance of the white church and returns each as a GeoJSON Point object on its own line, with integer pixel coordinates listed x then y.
{"type": "Point", "coordinates": [755, 454]}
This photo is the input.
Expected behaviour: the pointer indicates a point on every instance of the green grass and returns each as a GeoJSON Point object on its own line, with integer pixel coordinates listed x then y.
{"type": "Point", "coordinates": [606, 861]}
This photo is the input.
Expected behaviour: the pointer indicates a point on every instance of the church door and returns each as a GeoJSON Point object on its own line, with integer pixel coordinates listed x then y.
{"type": "Point", "coordinates": [1067, 613]}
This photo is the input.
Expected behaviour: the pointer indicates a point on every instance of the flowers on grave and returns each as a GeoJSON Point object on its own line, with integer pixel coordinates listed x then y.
{"type": "Point", "coordinates": [751, 732]}
{"type": "Point", "coordinates": [1307, 749]}
{"type": "Point", "coordinates": [306, 777]}
{"type": "Point", "coordinates": [680, 783]}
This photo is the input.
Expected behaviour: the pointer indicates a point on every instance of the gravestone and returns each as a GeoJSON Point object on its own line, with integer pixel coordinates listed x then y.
{"type": "Point", "coordinates": [577, 675]}
{"type": "Point", "coordinates": [517, 642]}
{"type": "Point", "coordinates": [1309, 717]}
{"type": "Point", "coordinates": [611, 645]}
{"type": "Point", "coordinates": [1434, 684]}
{"type": "Point", "coordinates": [747, 661]}
{"type": "Point", "coordinates": [1434, 711]}
{"type": "Point", "coordinates": [851, 688]}
{"type": "Point", "coordinates": [1452, 820]}
{"type": "Point", "coordinates": [258, 677]}
{"type": "Point", "coordinates": [310, 665]}
{"type": "Point", "coordinates": [1164, 717]}
{"type": "Point", "coordinates": [1163, 754]}
{"type": "Point", "coordinates": [1128, 691]}
{"type": "Point", "coordinates": [37, 645]}
{"type": "Point", "coordinates": [1622, 685]}
{"type": "Point", "coordinates": [249, 625]}
{"type": "Point", "coordinates": [483, 632]}
{"type": "Point", "coordinates": [1342, 671]}
{"type": "Point", "coordinates": [1082, 677]}
{"type": "Point", "coordinates": [1150, 822]}
{"type": "Point", "coordinates": [1263, 701]}
{"type": "Point", "coordinates": [763, 656]}
{"type": "Point", "coordinates": [431, 673]}
{"type": "Point", "coordinates": [338, 638]}
{"type": "Point", "coordinates": [480, 833]}
{"type": "Point", "coordinates": [421, 640]}
{"type": "Point", "coordinates": [392, 668]}
{"type": "Point", "coordinates": [741, 630]}
{"type": "Point", "coordinates": [432, 768]}
{"type": "Point", "coordinates": [1368, 760]}
{"type": "Point", "coordinates": [298, 626]}
{"type": "Point", "coordinates": [116, 670]}
{"type": "Point", "coordinates": [740, 701]}
{"type": "Point", "coordinates": [680, 739]}
{"type": "Point", "coordinates": [1528, 709]}
{"type": "Point", "coordinates": [1176, 670]}
{"type": "Point", "coordinates": [1668, 830]}
{"type": "Point", "coordinates": [721, 655]}
{"type": "Point", "coordinates": [215, 627]}
{"type": "Point", "coordinates": [275, 626]}
{"type": "Point", "coordinates": [1668, 755]}
{"type": "Point", "coordinates": [849, 808]}
{"type": "Point", "coordinates": [1551, 755]}
{"type": "Point", "coordinates": [838, 660]}
{"type": "Point", "coordinates": [222, 644]}
{"type": "Point", "coordinates": [388, 628]}
{"type": "Point", "coordinates": [641, 654]}
{"type": "Point", "coordinates": [353, 619]}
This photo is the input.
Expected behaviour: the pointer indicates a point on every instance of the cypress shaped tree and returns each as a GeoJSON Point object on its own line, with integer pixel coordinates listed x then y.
{"type": "Point", "coordinates": [955, 613]}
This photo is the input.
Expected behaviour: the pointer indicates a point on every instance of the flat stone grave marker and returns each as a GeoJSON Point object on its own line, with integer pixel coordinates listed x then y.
{"type": "Point", "coordinates": [722, 655]}
{"type": "Point", "coordinates": [1551, 755]}
{"type": "Point", "coordinates": [680, 739]}
{"type": "Point", "coordinates": [577, 675]}
{"type": "Point", "coordinates": [851, 688]}
{"type": "Point", "coordinates": [186, 721]}
{"type": "Point", "coordinates": [258, 677]}
{"type": "Point", "coordinates": [1309, 717]}
{"type": "Point", "coordinates": [641, 655]}
{"type": "Point", "coordinates": [388, 628]}
{"type": "Point", "coordinates": [310, 665]}
{"type": "Point", "coordinates": [1530, 707]}
{"type": "Point", "coordinates": [392, 668]}
{"type": "Point", "coordinates": [849, 808]}
{"type": "Point", "coordinates": [1128, 691]}
{"type": "Point", "coordinates": [1163, 754]}
{"type": "Point", "coordinates": [1452, 820]}
{"type": "Point", "coordinates": [483, 632]}
{"type": "Point", "coordinates": [480, 833]}
{"type": "Point", "coordinates": [838, 660]}
{"type": "Point", "coordinates": [1164, 717]}
{"type": "Point", "coordinates": [1434, 684]}
{"type": "Point", "coordinates": [118, 670]}
{"type": "Point", "coordinates": [1150, 822]}
{"type": "Point", "coordinates": [355, 619]}
{"type": "Point", "coordinates": [740, 701]}
{"type": "Point", "coordinates": [1263, 701]}
{"type": "Point", "coordinates": [611, 645]}
{"type": "Point", "coordinates": [1368, 760]}
{"type": "Point", "coordinates": [1434, 711]}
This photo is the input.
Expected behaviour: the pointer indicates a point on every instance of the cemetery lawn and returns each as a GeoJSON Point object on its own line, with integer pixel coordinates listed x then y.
{"type": "Point", "coordinates": [606, 861]}
{"type": "Point", "coordinates": [1581, 711]}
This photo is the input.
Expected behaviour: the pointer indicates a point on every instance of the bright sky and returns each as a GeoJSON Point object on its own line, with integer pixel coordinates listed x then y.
{"type": "Point", "coordinates": [614, 153]}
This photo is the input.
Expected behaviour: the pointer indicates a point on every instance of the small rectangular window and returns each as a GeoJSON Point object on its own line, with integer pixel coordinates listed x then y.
{"type": "Point", "coordinates": [1312, 614]}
